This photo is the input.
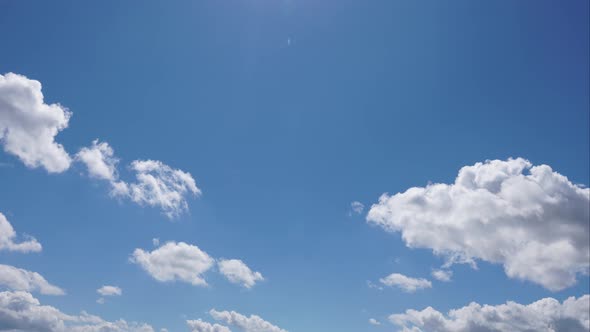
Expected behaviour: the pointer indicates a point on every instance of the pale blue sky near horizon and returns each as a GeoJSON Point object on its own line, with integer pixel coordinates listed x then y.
{"type": "Point", "coordinates": [285, 112]}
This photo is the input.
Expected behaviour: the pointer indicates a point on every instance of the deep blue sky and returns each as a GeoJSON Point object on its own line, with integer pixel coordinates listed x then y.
{"type": "Point", "coordinates": [285, 112]}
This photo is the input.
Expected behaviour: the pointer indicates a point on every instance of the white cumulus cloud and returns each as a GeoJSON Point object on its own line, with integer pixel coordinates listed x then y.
{"type": "Point", "coordinates": [545, 315]}
{"type": "Point", "coordinates": [238, 272]}
{"type": "Point", "coordinates": [23, 280]}
{"type": "Point", "coordinates": [99, 160]}
{"type": "Point", "coordinates": [158, 185]}
{"type": "Point", "coordinates": [357, 207]}
{"type": "Point", "coordinates": [109, 291]}
{"type": "Point", "coordinates": [405, 283]}
{"type": "Point", "coordinates": [201, 326]}
{"type": "Point", "coordinates": [8, 239]}
{"type": "Point", "coordinates": [530, 219]}
{"type": "Point", "coordinates": [21, 312]}
{"type": "Point", "coordinates": [374, 322]}
{"type": "Point", "coordinates": [175, 261]}
{"type": "Point", "coordinates": [442, 275]}
{"type": "Point", "coordinates": [252, 323]}
{"type": "Point", "coordinates": [28, 126]}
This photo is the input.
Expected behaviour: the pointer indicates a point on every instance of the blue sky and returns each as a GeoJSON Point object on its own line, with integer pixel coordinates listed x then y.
{"type": "Point", "coordinates": [284, 113]}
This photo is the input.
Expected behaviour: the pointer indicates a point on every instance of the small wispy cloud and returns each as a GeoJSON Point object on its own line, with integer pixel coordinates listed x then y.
{"type": "Point", "coordinates": [374, 322]}
{"type": "Point", "coordinates": [405, 283]}
{"type": "Point", "coordinates": [442, 275]}
{"type": "Point", "coordinates": [356, 208]}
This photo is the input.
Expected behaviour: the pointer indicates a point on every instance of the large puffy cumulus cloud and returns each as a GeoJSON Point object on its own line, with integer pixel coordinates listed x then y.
{"type": "Point", "coordinates": [530, 219]}
{"type": "Point", "coordinates": [28, 125]}
{"type": "Point", "coordinates": [546, 315]}
{"type": "Point", "coordinates": [21, 312]}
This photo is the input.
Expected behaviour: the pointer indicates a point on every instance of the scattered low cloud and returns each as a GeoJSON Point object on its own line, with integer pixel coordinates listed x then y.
{"type": "Point", "coordinates": [157, 184]}
{"type": "Point", "coordinates": [374, 322]}
{"type": "Point", "coordinates": [175, 261]}
{"type": "Point", "coordinates": [405, 283]}
{"type": "Point", "coordinates": [99, 160]}
{"type": "Point", "coordinates": [442, 275]}
{"type": "Point", "coordinates": [253, 323]}
{"type": "Point", "coordinates": [109, 291]}
{"type": "Point", "coordinates": [201, 326]}
{"type": "Point", "coordinates": [239, 273]}
{"type": "Point", "coordinates": [8, 239]}
{"type": "Point", "coordinates": [156, 242]}
{"type": "Point", "coordinates": [28, 126]}
{"type": "Point", "coordinates": [530, 219]}
{"type": "Point", "coordinates": [373, 285]}
{"type": "Point", "coordinates": [356, 207]}
{"type": "Point", "coordinates": [20, 312]}
{"type": "Point", "coordinates": [187, 263]}
{"type": "Point", "coordinates": [546, 315]}
{"type": "Point", "coordinates": [22, 280]}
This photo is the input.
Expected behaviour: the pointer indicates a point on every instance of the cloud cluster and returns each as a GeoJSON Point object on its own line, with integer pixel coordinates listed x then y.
{"type": "Point", "coordinates": [405, 283]}
{"type": "Point", "coordinates": [8, 238]}
{"type": "Point", "coordinates": [239, 273]}
{"type": "Point", "coordinates": [201, 326]}
{"type": "Point", "coordinates": [530, 219]}
{"type": "Point", "coordinates": [23, 280]}
{"type": "Point", "coordinates": [546, 315]}
{"type": "Point", "coordinates": [21, 312]}
{"type": "Point", "coordinates": [156, 185]}
{"type": "Point", "coordinates": [28, 125]}
{"type": "Point", "coordinates": [252, 323]}
{"type": "Point", "coordinates": [187, 263]}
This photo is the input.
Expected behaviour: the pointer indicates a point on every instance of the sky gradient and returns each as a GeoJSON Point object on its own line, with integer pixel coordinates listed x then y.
{"type": "Point", "coordinates": [284, 114]}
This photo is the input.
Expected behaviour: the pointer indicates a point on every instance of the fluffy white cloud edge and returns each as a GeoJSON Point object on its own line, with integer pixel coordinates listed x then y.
{"type": "Point", "coordinates": [22, 280]}
{"type": "Point", "coordinates": [252, 323]}
{"type": "Point", "coordinates": [238, 272]}
{"type": "Point", "coordinates": [8, 239]}
{"type": "Point", "coordinates": [21, 312]}
{"type": "Point", "coordinates": [545, 315]}
{"type": "Point", "coordinates": [201, 326]}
